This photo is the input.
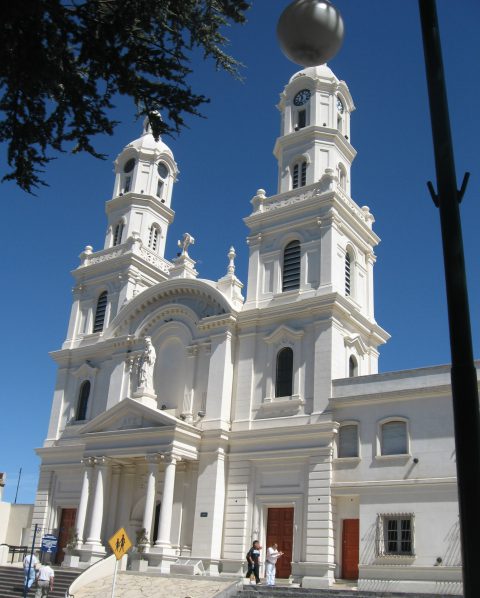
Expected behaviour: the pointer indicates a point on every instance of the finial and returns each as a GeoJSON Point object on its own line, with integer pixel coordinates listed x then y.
{"type": "Point", "coordinates": [187, 240]}
{"type": "Point", "coordinates": [231, 256]}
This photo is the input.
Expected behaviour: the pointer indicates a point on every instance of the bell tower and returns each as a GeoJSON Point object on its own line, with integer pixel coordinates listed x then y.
{"type": "Point", "coordinates": [315, 112]}
{"type": "Point", "coordinates": [132, 259]}
{"type": "Point", "coordinates": [311, 246]}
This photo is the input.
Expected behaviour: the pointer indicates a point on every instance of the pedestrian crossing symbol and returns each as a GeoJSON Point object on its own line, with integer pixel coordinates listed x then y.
{"type": "Point", "coordinates": [120, 543]}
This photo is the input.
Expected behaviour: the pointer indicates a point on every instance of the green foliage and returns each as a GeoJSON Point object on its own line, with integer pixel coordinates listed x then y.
{"type": "Point", "coordinates": [62, 62]}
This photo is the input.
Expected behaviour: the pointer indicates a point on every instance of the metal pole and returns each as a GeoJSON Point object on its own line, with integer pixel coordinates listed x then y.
{"type": "Point", "coordinates": [18, 484]}
{"type": "Point", "coordinates": [463, 372]}
{"type": "Point", "coordinates": [114, 578]}
{"type": "Point", "coordinates": [25, 589]}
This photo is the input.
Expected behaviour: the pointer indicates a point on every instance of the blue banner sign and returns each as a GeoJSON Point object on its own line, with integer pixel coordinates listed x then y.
{"type": "Point", "coordinates": [49, 543]}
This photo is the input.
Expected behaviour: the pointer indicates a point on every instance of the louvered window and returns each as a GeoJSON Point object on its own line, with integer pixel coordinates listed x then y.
{"type": "Point", "coordinates": [295, 177]}
{"type": "Point", "coordinates": [291, 266]}
{"type": "Point", "coordinates": [100, 312]}
{"type": "Point", "coordinates": [117, 235]}
{"type": "Point", "coordinates": [394, 438]}
{"type": "Point", "coordinates": [284, 374]}
{"type": "Point", "coordinates": [82, 405]}
{"type": "Point", "coordinates": [153, 238]}
{"type": "Point", "coordinates": [299, 175]}
{"type": "Point", "coordinates": [347, 274]}
{"type": "Point", "coordinates": [303, 178]}
{"type": "Point", "coordinates": [348, 441]}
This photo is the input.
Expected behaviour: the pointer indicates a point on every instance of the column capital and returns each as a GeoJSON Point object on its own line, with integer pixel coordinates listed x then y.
{"type": "Point", "coordinates": [101, 461]}
{"type": "Point", "coordinates": [87, 461]}
{"type": "Point", "coordinates": [153, 458]}
{"type": "Point", "coordinates": [171, 458]}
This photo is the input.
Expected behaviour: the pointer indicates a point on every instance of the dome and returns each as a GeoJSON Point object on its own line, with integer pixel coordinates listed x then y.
{"type": "Point", "coordinates": [321, 71]}
{"type": "Point", "coordinates": [147, 142]}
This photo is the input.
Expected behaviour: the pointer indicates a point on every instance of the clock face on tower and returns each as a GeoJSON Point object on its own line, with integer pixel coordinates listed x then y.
{"type": "Point", "coordinates": [302, 97]}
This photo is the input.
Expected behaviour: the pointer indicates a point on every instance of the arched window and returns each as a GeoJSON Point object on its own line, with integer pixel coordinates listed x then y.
{"type": "Point", "coordinates": [100, 312]}
{"type": "Point", "coordinates": [299, 175]}
{"type": "Point", "coordinates": [163, 173]}
{"type": "Point", "coordinates": [348, 272]}
{"type": "Point", "coordinates": [154, 237]}
{"type": "Point", "coordinates": [352, 367]}
{"type": "Point", "coordinates": [83, 401]}
{"type": "Point", "coordinates": [127, 179]}
{"type": "Point", "coordinates": [348, 441]}
{"type": "Point", "coordinates": [284, 374]}
{"type": "Point", "coordinates": [393, 438]}
{"type": "Point", "coordinates": [291, 267]}
{"type": "Point", "coordinates": [118, 233]}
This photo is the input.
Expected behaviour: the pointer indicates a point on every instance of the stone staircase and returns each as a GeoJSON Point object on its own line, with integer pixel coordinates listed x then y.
{"type": "Point", "coordinates": [251, 591]}
{"type": "Point", "coordinates": [11, 582]}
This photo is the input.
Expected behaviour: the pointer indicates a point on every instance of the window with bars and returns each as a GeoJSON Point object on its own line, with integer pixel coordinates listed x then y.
{"type": "Point", "coordinates": [117, 234]}
{"type": "Point", "coordinates": [394, 440]}
{"type": "Point", "coordinates": [299, 175]}
{"type": "Point", "coordinates": [348, 273]}
{"type": "Point", "coordinates": [100, 312]}
{"type": "Point", "coordinates": [284, 373]}
{"type": "Point", "coordinates": [397, 535]}
{"type": "Point", "coordinates": [153, 237]}
{"type": "Point", "coordinates": [348, 441]}
{"type": "Point", "coordinates": [291, 267]}
{"type": "Point", "coordinates": [82, 404]}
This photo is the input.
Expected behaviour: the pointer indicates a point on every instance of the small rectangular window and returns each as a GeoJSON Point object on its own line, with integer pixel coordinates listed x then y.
{"type": "Point", "coordinates": [128, 182]}
{"type": "Point", "coordinates": [295, 177]}
{"type": "Point", "coordinates": [304, 174]}
{"type": "Point", "coordinates": [159, 188]}
{"type": "Point", "coordinates": [394, 438]}
{"type": "Point", "coordinates": [348, 441]}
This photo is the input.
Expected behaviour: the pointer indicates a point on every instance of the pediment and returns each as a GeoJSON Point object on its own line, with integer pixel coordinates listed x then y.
{"type": "Point", "coordinates": [356, 342]}
{"type": "Point", "coordinates": [284, 335]}
{"type": "Point", "coordinates": [85, 371]}
{"type": "Point", "coordinates": [129, 414]}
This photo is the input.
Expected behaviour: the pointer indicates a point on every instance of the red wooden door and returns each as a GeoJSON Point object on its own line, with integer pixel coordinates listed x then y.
{"type": "Point", "coordinates": [280, 531]}
{"type": "Point", "coordinates": [350, 546]}
{"type": "Point", "coordinates": [67, 522]}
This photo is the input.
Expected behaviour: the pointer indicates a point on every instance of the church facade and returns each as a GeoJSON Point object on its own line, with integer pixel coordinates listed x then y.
{"type": "Point", "coordinates": [200, 420]}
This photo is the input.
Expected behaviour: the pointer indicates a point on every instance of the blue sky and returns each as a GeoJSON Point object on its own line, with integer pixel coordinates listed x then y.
{"type": "Point", "coordinates": [223, 160]}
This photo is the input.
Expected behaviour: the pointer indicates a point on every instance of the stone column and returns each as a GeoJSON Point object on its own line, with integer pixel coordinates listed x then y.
{"type": "Point", "coordinates": [85, 493]}
{"type": "Point", "coordinates": [152, 466]}
{"type": "Point", "coordinates": [165, 523]}
{"type": "Point", "coordinates": [94, 537]}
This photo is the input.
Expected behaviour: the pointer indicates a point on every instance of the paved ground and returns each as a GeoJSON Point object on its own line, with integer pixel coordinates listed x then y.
{"type": "Point", "coordinates": [143, 586]}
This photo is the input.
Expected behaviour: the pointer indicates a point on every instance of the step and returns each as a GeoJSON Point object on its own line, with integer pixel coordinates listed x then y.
{"type": "Point", "coordinates": [11, 582]}
{"type": "Point", "coordinates": [286, 592]}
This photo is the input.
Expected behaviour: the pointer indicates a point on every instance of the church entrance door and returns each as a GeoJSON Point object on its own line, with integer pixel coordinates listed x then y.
{"type": "Point", "coordinates": [350, 545]}
{"type": "Point", "coordinates": [280, 531]}
{"type": "Point", "coordinates": [66, 528]}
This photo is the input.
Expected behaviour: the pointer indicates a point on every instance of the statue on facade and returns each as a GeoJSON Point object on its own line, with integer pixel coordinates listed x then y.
{"type": "Point", "coordinates": [146, 364]}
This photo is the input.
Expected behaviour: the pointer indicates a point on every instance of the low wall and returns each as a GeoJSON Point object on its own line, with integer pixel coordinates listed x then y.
{"type": "Point", "coordinates": [98, 570]}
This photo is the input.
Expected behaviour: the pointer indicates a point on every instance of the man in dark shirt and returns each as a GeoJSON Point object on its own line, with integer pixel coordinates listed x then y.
{"type": "Point", "coordinates": [253, 560]}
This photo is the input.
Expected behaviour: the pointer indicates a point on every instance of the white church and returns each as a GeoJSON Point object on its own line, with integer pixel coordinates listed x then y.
{"type": "Point", "coordinates": [201, 420]}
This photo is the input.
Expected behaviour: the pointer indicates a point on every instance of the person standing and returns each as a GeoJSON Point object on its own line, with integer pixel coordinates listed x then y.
{"type": "Point", "coordinates": [29, 563]}
{"type": "Point", "coordinates": [45, 577]}
{"type": "Point", "coordinates": [272, 555]}
{"type": "Point", "coordinates": [253, 560]}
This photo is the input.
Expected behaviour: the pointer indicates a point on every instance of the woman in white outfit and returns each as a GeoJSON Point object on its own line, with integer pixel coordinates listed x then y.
{"type": "Point", "coordinates": [272, 555]}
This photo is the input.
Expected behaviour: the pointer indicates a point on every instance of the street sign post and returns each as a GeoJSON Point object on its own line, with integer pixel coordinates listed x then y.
{"type": "Point", "coordinates": [120, 544]}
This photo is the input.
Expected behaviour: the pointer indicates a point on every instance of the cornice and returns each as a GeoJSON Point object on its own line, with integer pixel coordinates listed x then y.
{"type": "Point", "coordinates": [379, 396]}
{"type": "Point", "coordinates": [316, 133]}
{"type": "Point", "coordinates": [376, 484]}
{"type": "Point", "coordinates": [137, 200]}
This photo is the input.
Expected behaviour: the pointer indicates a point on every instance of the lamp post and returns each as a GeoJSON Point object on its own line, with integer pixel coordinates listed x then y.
{"type": "Point", "coordinates": [310, 33]}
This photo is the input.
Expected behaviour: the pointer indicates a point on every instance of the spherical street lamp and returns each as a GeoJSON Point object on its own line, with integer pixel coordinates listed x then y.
{"type": "Point", "coordinates": [310, 32]}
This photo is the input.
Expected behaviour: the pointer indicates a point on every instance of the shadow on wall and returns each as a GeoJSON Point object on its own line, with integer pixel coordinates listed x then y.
{"type": "Point", "coordinates": [453, 556]}
{"type": "Point", "coordinates": [367, 554]}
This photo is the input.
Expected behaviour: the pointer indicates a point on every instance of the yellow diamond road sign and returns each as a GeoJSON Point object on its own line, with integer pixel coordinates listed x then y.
{"type": "Point", "coordinates": [120, 543]}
